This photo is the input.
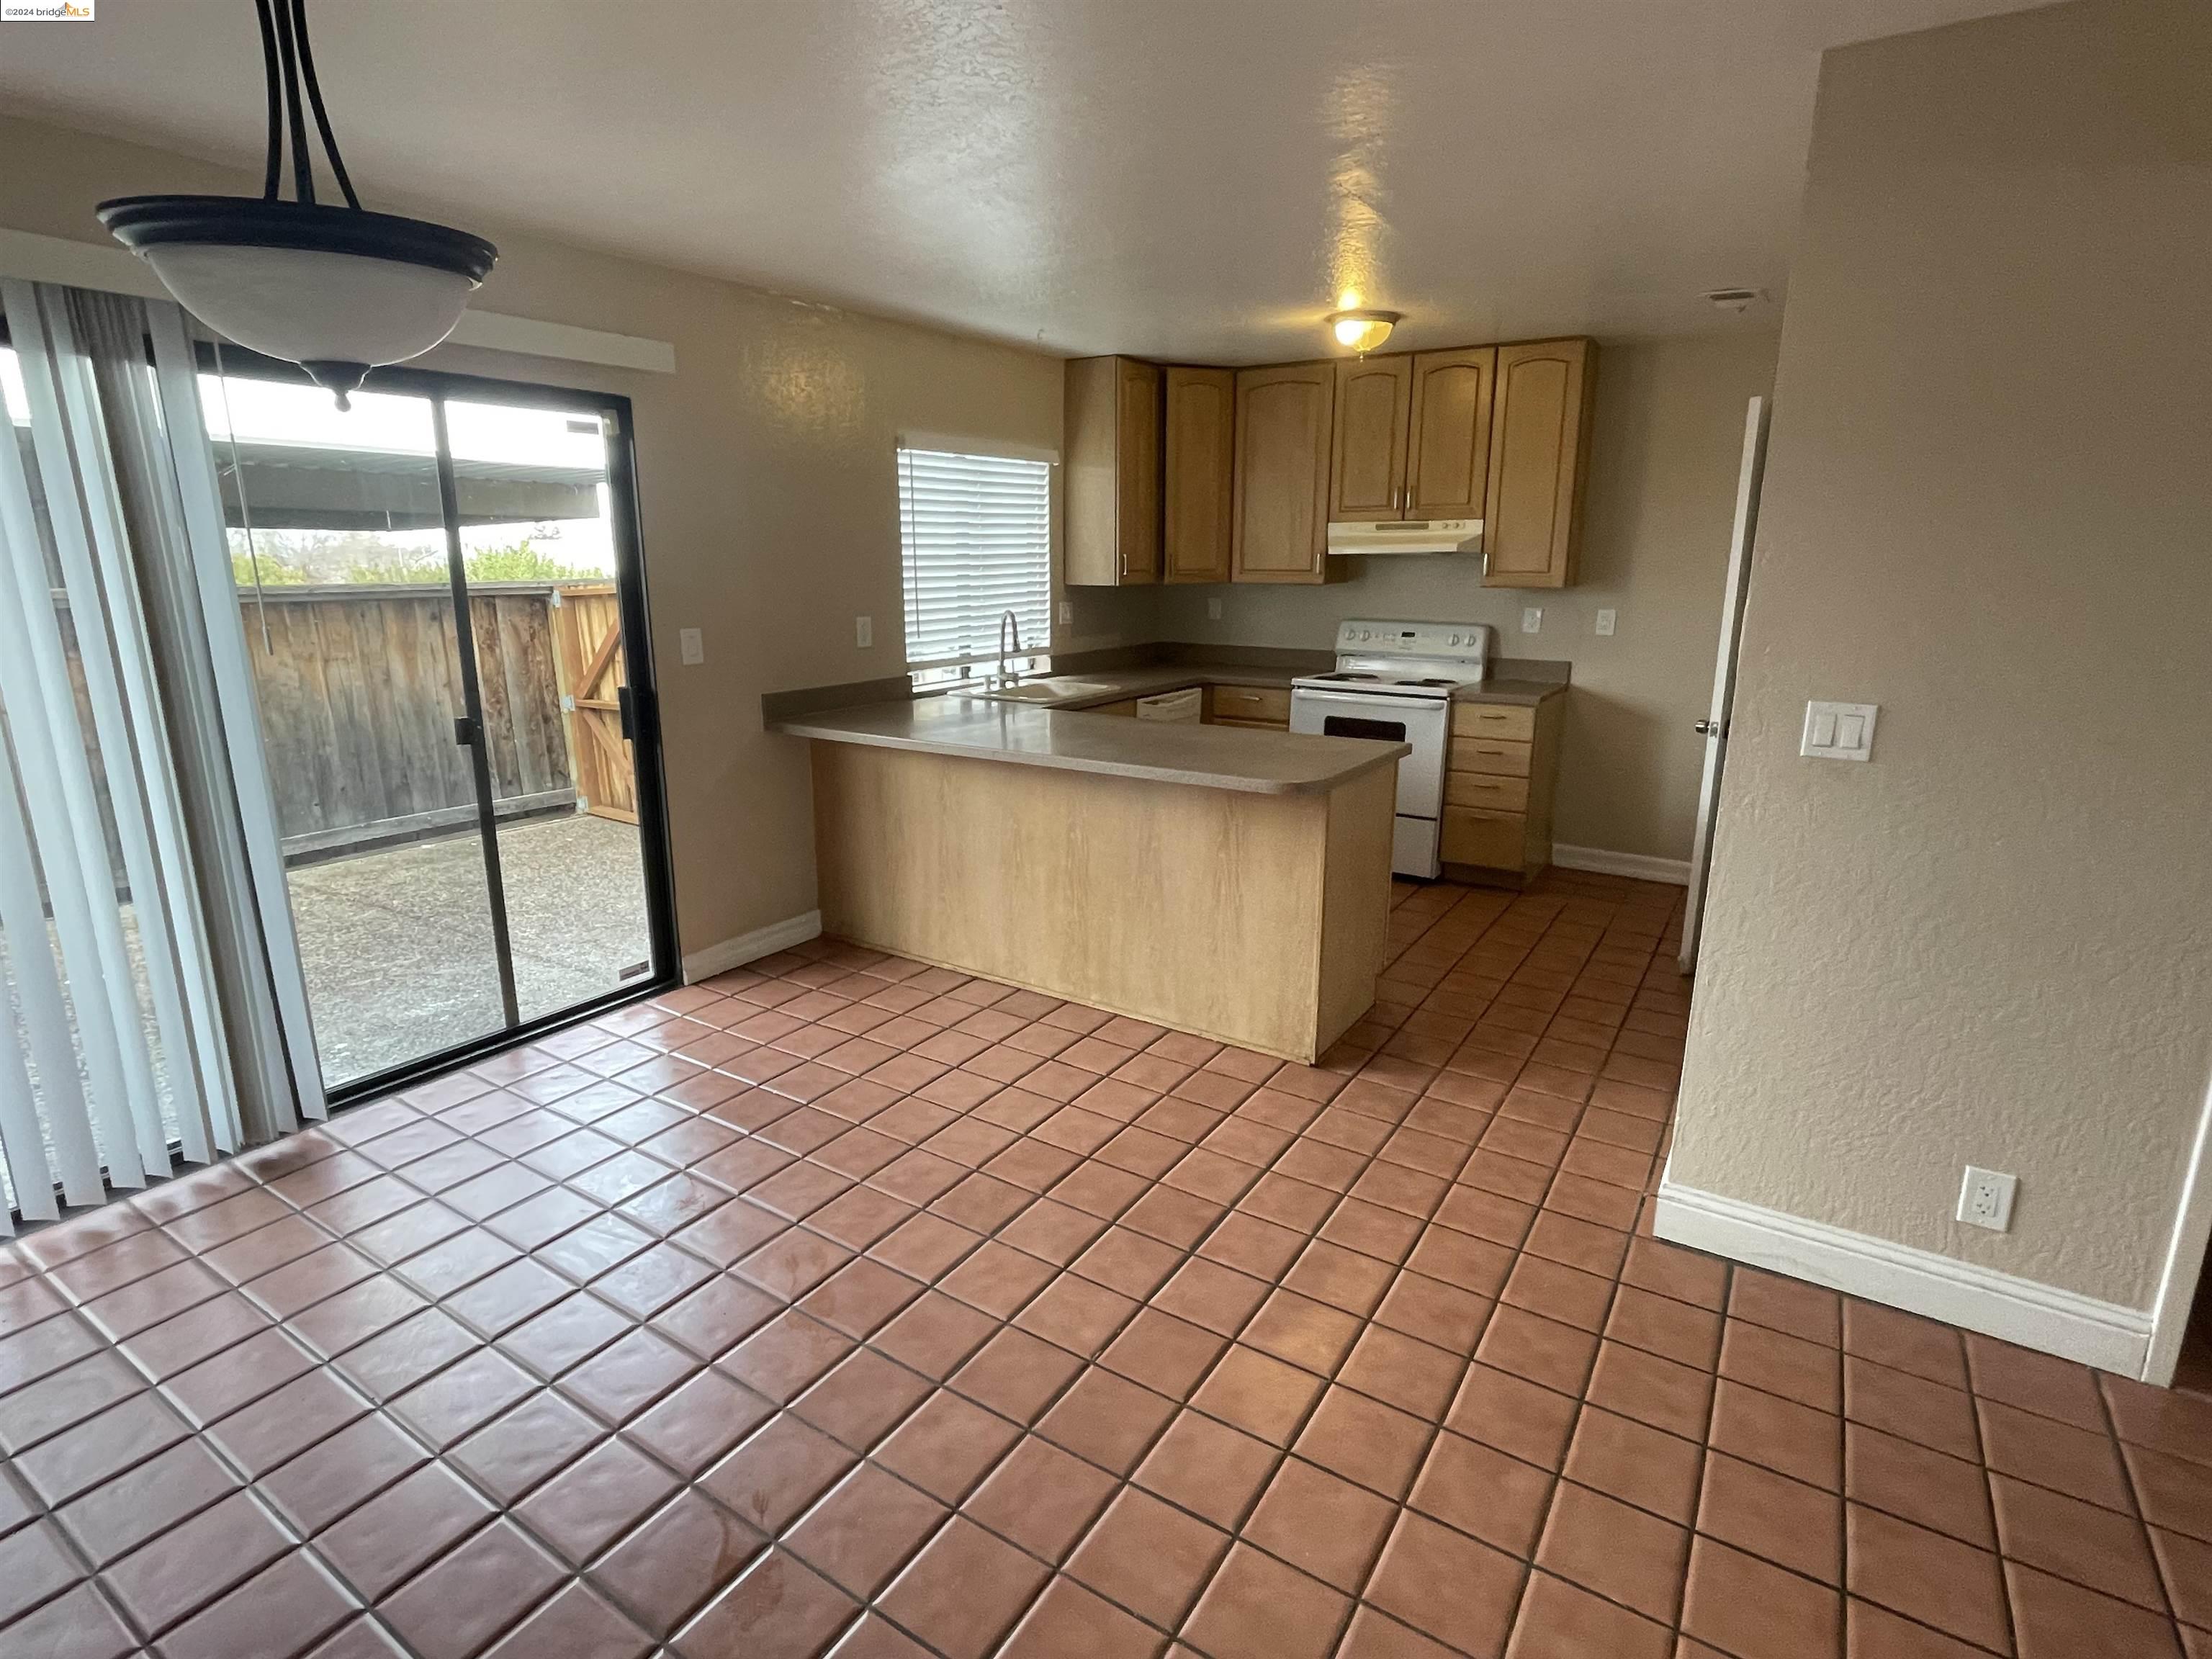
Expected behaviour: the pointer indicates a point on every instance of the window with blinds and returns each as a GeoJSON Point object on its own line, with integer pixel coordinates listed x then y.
{"type": "Point", "coordinates": [975, 534]}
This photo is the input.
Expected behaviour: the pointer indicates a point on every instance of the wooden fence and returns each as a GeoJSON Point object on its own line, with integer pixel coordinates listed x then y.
{"type": "Point", "coordinates": [360, 687]}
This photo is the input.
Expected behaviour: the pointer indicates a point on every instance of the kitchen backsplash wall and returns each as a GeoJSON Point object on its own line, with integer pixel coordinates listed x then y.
{"type": "Point", "coordinates": [1665, 456]}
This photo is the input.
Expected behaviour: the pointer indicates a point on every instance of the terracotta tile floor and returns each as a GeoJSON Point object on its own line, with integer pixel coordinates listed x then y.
{"type": "Point", "coordinates": [845, 1304]}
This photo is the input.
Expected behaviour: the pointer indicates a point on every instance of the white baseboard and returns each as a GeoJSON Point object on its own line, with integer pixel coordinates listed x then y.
{"type": "Point", "coordinates": [751, 947]}
{"type": "Point", "coordinates": [2079, 1327]}
{"type": "Point", "coordinates": [1642, 866]}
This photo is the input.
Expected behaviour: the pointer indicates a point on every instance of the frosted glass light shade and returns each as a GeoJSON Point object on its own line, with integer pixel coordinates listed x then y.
{"type": "Point", "coordinates": [1363, 331]}
{"type": "Point", "coordinates": [336, 290]}
{"type": "Point", "coordinates": [307, 305]}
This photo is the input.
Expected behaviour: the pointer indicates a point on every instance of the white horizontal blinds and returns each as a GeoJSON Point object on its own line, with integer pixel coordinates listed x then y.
{"type": "Point", "coordinates": [976, 532]}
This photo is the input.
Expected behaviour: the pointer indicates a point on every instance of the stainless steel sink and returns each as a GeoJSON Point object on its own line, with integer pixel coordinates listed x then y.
{"type": "Point", "coordinates": [1058, 691]}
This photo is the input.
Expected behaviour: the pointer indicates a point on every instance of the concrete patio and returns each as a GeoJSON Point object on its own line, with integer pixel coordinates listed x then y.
{"type": "Point", "coordinates": [397, 943]}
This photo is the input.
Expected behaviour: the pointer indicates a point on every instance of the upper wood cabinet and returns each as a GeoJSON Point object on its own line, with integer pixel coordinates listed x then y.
{"type": "Point", "coordinates": [1367, 472]}
{"type": "Point", "coordinates": [1113, 439]}
{"type": "Point", "coordinates": [1447, 456]}
{"type": "Point", "coordinates": [1539, 461]}
{"type": "Point", "coordinates": [1281, 510]}
{"type": "Point", "coordinates": [1197, 476]}
{"type": "Point", "coordinates": [1413, 436]}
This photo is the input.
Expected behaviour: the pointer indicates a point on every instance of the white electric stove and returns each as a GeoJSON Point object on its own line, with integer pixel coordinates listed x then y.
{"type": "Point", "coordinates": [1395, 680]}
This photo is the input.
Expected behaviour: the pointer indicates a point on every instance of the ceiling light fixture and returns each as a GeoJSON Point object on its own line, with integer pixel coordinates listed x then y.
{"type": "Point", "coordinates": [336, 290]}
{"type": "Point", "coordinates": [1362, 330]}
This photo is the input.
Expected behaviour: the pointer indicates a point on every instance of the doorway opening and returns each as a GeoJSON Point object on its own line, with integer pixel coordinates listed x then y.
{"type": "Point", "coordinates": [444, 618]}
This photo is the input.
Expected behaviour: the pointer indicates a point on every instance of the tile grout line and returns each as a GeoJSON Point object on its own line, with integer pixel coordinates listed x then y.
{"type": "Point", "coordinates": [1383, 1049]}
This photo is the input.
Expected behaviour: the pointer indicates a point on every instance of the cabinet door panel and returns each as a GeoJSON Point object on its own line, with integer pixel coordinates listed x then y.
{"type": "Point", "coordinates": [1496, 840]}
{"type": "Point", "coordinates": [1368, 469]}
{"type": "Point", "coordinates": [1448, 469]}
{"type": "Point", "coordinates": [1198, 480]}
{"type": "Point", "coordinates": [1281, 515]}
{"type": "Point", "coordinates": [1138, 458]}
{"type": "Point", "coordinates": [1539, 454]}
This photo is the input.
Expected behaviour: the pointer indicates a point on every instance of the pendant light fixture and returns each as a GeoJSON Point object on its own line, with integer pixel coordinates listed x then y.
{"type": "Point", "coordinates": [335, 289]}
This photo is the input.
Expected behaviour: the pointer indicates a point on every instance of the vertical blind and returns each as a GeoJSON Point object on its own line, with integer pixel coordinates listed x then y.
{"type": "Point", "coordinates": [123, 1044]}
{"type": "Point", "coordinates": [975, 534]}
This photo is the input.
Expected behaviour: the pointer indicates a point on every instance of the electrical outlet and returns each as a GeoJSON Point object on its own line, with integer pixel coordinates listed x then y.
{"type": "Point", "coordinates": [1605, 624]}
{"type": "Point", "coordinates": [864, 631]}
{"type": "Point", "coordinates": [1532, 619]}
{"type": "Point", "coordinates": [1985, 1198]}
{"type": "Point", "coordinates": [1214, 611]}
{"type": "Point", "coordinates": [690, 647]}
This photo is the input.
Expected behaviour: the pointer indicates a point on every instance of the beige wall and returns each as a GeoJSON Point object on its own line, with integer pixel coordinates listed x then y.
{"type": "Point", "coordinates": [1988, 509]}
{"type": "Point", "coordinates": [1664, 458]}
{"type": "Point", "coordinates": [766, 483]}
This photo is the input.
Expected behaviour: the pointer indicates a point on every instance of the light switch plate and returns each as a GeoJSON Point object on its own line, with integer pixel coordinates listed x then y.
{"type": "Point", "coordinates": [1838, 731]}
{"type": "Point", "coordinates": [1067, 613]}
{"type": "Point", "coordinates": [690, 647]}
{"type": "Point", "coordinates": [1531, 618]}
{"type": "Point", "coordinates": [1605, 624]}
{"type": "Point", "coordinates": [864, 631]}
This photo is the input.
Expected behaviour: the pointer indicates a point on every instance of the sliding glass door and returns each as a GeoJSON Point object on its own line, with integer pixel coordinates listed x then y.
{"type": "Point", "coordinates": [443, 615]}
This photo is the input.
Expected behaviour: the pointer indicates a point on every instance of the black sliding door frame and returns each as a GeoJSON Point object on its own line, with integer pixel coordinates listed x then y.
{"type": "Point", "coordinates": [641, 717]}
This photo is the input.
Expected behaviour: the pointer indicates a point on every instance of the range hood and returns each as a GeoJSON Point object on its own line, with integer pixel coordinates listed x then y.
{"type": "Point", "coordinates": [1406, 536]}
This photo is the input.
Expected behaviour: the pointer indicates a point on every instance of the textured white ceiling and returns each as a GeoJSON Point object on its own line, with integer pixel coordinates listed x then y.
{"type": "Point", "coordinates": [1196, 178]}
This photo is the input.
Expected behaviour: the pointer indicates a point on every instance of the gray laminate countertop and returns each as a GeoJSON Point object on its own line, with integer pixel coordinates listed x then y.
{"type": "Point", "coordinates": [1079, 691]}
{"type": "Point", "coordinates": [1205, 756]}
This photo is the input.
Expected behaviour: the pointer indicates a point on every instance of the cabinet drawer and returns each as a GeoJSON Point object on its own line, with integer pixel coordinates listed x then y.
{"type": "Point", "coordinates": [1497, 840]}
{"type": "Point", "coordinates": [1491, 720]}
{"type": "Point", "coordinates": [1504, 760]}
{"type": "Point", "coordinates": [1498, 795]}
{"type": "Point", "coordinates": [1252, 703]}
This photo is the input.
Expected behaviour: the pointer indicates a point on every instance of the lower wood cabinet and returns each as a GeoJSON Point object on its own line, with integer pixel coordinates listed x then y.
{"type": "Point", "coordinates": [1502, 766]}
{"type": "Point", "coordinates": [1249, 705]}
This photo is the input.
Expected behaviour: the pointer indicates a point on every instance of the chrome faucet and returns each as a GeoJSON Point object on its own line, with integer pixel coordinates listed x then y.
{"type": "Point", "coordinates": [1007, 621]}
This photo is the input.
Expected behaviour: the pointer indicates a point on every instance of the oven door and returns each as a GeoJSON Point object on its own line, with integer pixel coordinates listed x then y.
{"type": "Point", "coordinates": [1423, 722]}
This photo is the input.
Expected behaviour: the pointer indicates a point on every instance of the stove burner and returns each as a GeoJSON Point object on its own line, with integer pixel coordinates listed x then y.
{"type": "Point", "coordinates": [1429, 682]}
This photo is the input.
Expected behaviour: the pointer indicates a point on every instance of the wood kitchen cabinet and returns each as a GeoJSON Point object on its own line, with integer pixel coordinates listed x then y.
{"type": "Point", "coordinates": [1413, 436]}
{"type": "Point", "coordinates": [1198, 475]}
{"type": "Point", "coordinates": [1113, 432]}
{"type": "Point", "coordinates": [1447, 424]}
{"type": "Point", "coordinates": [1280, 512]}
{"type": "Point", "coordinates": [1248, 705]}
{"type": "Point", "coordinates": [1540, 444]}
{"type": "Point", "coordinates": [1502, 765]}
{"type": "Point", "coordinates": [1367, 470]}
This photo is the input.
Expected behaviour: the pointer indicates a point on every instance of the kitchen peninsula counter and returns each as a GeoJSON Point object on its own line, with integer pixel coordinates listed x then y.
{"type": "Point", "coordinates": [1230, 882]}
{"type": "Point", "coordinates": [1203, 756]}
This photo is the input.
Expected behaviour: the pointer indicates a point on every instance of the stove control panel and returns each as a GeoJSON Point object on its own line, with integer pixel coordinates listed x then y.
{"type": "Point", "coordinates": [1470, 641]}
